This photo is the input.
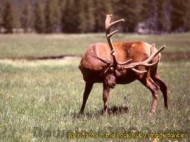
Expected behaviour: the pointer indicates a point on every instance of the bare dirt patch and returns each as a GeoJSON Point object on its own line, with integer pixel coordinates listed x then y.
{"type": "Point", "coordinates": [41, 61]}
{"type": "Point", "coordinates": [62, 57]}
{"type": "Point", "coordinates": [176, 55]}
{"type": "Point", "coordinates": [51, 57]}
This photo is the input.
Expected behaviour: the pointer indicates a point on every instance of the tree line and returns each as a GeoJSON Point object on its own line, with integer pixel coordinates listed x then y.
{"type": "Point", "coordinates": [85, 16]}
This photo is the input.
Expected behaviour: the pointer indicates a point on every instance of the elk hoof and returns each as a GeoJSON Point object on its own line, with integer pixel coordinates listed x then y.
{"type": "Point", "coordinates": [81, 113]}
{"type": "Point", "coordinates": [112, 85]}
{"type": "Point", "coordinates": [166, 107]}
{"type": "Point", "coordinates": [104, 112]}
{"type": "Point", "coordinates": [152, 111]}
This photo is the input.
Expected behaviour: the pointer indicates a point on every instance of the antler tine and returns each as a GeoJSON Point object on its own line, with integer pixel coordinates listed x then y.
{"type": "Point", "coordinates": [109, 24]}
{"type": "Point", "coordinates": [124, 63]}
{"type": "Point", "coordinates": [154, 54]}
{"type": "Point", "coordinates": [145, 62]}
{"type": "Point", "coordinates": [112, 33]}
{"type": "Point", "coordinates": [139, 71]}
{"type": "Point", "coordinates": [103, 60]}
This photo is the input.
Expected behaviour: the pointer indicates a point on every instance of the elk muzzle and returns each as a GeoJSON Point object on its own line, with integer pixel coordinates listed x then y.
{"type": "Point", "coordinates": [110, 80]}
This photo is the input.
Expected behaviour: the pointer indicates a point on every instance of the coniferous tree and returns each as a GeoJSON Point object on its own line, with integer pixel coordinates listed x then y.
{"type": "Point", "coordinates": [82, 16]}
{"type": "Point", "coordinates": [90, 18]}
{"type": "Point", "coordinates": [52, 16]}
{"type": "Point", "coordinates": [129, 11]}
{"type": "Point", "coordinates": [177, 14]}
{"type": "Point", "coordinates": [1, 21]}
{"type": "Point", "coordinates": [27, 17]}
{"type": "Point", "coordinates": [8, 17]}
{"type": "Point", "coordinates": [39, 22]}
{"type": "Point", "coordinates": [187, 16]}
{"type": "Point", "coordinates": [17, 21]}
{"type": "Point", "coordinates": [154, 15]}
{"type": "Point", "coordinates": [163, 15]}
{"type": "Point", "coordinates": [74, 16]}
{"type": "Point", "coordinates": [144, 10]}
{"type": "Point", "coordinates": [101, 9]}
{"type": "Point", "coordinates": [70, 20]}
{"type": "Point", "coordinates": [166, 21]}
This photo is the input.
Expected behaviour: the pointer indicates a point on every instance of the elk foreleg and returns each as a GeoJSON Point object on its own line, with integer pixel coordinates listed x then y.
{"type": "Point", "coordinates": [109, 82]}
{"type": "Point", "coordinates": [106, 91]}
{"type": "Point", "coordinates": [87, 91]}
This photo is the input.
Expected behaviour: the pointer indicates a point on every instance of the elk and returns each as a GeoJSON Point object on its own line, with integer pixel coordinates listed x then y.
{"type": "Point", "coordinates": [121, 63]}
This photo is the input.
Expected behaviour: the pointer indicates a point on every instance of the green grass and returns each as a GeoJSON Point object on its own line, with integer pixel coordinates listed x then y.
{"type": "Point", "coordinates": [44, 45]}
{"type": "Point", "coordinates": [47, 95]}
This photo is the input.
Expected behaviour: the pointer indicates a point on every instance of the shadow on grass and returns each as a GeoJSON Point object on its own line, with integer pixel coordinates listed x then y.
{"type": "Point", "coordinates": [114, 110]}
{"type": "Point", "coordinates": [165, 56]}
{"type": "Point", "coordinates": [48, 57]}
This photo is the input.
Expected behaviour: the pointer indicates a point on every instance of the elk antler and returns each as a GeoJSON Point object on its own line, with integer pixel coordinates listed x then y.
{"type": "Point", "coordinates": [108, 26]}
{"type": "Point", "coordinates": [133, 65]}
{"type": "Point", "coordinates": [125, 65]}
{"type": "Point", "coordinates": [144, 63]}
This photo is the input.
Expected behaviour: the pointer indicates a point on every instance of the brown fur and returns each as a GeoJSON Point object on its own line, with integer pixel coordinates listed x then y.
{"type": "Point", "coordinates": [93, 70]}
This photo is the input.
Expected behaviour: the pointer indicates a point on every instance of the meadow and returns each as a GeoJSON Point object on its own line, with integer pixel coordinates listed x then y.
{"type": "Point", "coordinates": [40, 99]}
{"type": "Point", "coordinates": [14, 46]}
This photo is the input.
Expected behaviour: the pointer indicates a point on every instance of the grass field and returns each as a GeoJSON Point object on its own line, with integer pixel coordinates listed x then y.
{"type": "Point", "coordinates": [44, 45]}
{"type": "Point", "coordinates": [40, 100]}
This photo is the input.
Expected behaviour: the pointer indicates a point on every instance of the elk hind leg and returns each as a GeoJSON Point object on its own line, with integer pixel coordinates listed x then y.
{"type": "Point", "coordinates": [163, 88]}
{"type": "Point", "coordinates": [153, 87]}
{"type": "Point", "coordinates": [88, 88]}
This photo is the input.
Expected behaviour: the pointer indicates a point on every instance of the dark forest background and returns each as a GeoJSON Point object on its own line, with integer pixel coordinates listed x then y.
{"type": "Point", "coordinates": [87, 16]}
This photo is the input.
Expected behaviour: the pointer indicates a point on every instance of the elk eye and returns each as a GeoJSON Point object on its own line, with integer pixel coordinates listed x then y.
{"type": "Point", "coordinates": [111, 69]}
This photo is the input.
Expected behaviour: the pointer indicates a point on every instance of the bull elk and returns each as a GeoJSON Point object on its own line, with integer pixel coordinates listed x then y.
{"type": "Point", "coordinates": [121, 63]}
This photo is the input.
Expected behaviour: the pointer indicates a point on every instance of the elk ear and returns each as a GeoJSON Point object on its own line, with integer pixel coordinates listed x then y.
{"type": "Point", "coordinates": [153, 45]}
{"type": "Point", "coordinates": [118, 73]}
